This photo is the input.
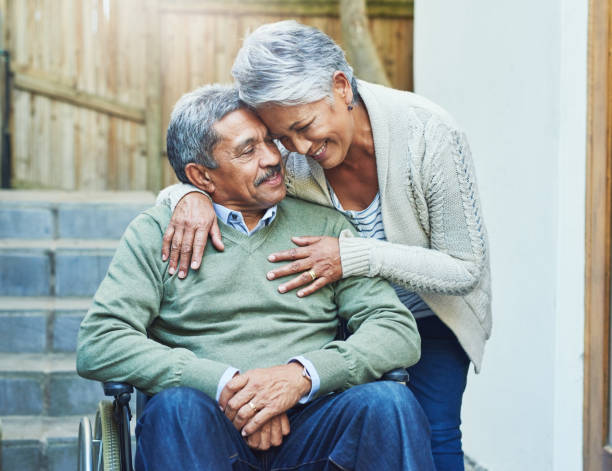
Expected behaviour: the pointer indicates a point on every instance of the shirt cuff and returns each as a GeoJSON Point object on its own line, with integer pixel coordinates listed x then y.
{"type": "Point", "coordinates": [225, 378]}
{"type": "Point", "coordinates": [315, 380]}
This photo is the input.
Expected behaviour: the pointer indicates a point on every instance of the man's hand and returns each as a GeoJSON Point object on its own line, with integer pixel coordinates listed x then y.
{"type": "Point", "coordinates": [270, 434]}
{"type": "Point", "coordinates": [267, 392]}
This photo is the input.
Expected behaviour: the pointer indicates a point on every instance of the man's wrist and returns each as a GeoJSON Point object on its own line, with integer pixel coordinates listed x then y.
{"type": "Point", "coordinates": [227, 376]}
{"type": "Point", "coordinates": [304, 381]}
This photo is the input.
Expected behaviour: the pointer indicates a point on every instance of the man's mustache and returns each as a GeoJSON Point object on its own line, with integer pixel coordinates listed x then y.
{"type": "Point", "coordinates": [271, 172]}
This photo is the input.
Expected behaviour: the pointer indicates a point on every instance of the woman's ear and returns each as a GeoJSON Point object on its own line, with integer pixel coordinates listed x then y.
{"type": "Point", "coordinates": [342, 87]}
{"type": "Point", "coordinates": [201, 177]}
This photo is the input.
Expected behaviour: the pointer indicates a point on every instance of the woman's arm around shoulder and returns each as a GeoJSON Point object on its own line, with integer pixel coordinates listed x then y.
{"type": "Point", "coordinates": [193, 221]}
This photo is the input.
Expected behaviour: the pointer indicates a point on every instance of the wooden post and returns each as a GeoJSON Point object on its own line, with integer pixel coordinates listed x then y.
{"type": "Point", "coordinates": [5, 153]}
{"type": "Point", "coordinates": [597, 453]}
{"type": "Point", "coordinates": [153, 115]}
{"type": "Point", "coordinates": [359, 43]}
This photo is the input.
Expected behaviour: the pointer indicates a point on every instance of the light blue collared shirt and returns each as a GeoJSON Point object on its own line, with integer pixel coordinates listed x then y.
{"type": "Point", "coordinates": [235, 220]}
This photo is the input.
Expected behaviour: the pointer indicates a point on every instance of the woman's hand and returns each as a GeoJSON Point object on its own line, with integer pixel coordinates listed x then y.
{"type": "Point", "coordinates": [193, 221]}
{"type": "Point", "coordinates": [318, 260]}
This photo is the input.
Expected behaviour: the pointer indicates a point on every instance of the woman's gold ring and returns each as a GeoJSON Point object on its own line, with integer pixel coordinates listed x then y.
{"type": "Point", "coordinates": [312, 274]}
{"type": "Point", "coordinates": [253, 408]}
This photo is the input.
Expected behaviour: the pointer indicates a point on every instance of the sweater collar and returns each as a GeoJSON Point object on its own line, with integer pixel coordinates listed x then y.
{"type": "Point", "coordinates": [379, 120]}
{"type": "Point", "coordinates": [380, 131]}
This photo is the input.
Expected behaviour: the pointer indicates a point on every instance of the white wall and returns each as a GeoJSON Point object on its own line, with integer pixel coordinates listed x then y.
{"type": "Point", "coordinates": [514, 76]}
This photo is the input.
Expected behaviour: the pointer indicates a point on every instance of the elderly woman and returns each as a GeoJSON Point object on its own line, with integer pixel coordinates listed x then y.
{"type": "Point", "coordinates": [400, 169]}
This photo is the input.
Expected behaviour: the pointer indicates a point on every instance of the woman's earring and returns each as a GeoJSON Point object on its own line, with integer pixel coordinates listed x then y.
{"type": "Point", "coordinates": [350, 107]}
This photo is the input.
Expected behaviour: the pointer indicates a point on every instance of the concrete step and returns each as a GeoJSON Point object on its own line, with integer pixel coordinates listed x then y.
{"type": "Point", "coordinates": [32, 443]}
{"type": "Point", "coordinates": [45, 385]}
{"type": "Point", "coordinates": [55, 249]}
{"type": "Point", "coordinates": [57, 214]}
{"type": "Point", "coordinates": [40, 324]}
{"type": "Point", "coordinates": [47, 267]}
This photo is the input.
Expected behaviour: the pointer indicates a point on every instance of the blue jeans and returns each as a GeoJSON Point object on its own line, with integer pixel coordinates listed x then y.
{"type": "Point", "coordinates": [438, 381]}
{"type": "Point", "coordinates": [374, 426]}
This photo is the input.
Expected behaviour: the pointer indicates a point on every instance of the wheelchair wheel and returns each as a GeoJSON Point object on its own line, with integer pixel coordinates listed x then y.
{"type": "Point", "coordinates": [106, 433]}
{"type": "Point", "coordinates": [85, 446]}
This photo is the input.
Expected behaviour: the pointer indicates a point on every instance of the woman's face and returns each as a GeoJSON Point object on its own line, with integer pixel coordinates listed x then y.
{"type": "Point", "coordinates": [321, 130]}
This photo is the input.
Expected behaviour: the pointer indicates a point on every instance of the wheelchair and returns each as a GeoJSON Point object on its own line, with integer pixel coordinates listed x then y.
{"type": "Point", "coordinates": [109, 446]}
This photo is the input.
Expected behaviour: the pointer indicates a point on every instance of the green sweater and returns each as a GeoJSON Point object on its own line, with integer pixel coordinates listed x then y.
{"type": "Point", "coordinates": [228, 314]}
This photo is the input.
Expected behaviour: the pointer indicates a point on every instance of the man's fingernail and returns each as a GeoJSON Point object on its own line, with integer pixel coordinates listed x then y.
{"type": "Point", "coordinates": [270, 276]}
{"type": "Point", "coordinates": [171, 270]}
{"type": "Point", "coordinates": [220, 408]}
{"type": "Point", "coordinates": [271, 258]}
{"type": "Point", "coordinates": [194, 265]}
{"type": "Point", "coordinates": [181, 274]}
{"type": "Point", "coordinates": [243, 433]}
{"type": "Point", "coordinates": [164, 257]}
{"type": "Point", "coordinates": [300, 293]}
{"type": "Point", "coordinates": [282, 289]}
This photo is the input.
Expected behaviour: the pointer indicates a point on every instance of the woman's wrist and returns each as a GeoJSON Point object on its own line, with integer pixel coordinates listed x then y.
{"type": "Point", "coordinates": [180, 191]}
{"type": "Point", "coordinates": [354, 255]}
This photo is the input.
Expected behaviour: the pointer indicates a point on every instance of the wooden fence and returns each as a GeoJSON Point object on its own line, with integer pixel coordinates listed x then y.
{"type": "Point", "coordinates": [94, 81]}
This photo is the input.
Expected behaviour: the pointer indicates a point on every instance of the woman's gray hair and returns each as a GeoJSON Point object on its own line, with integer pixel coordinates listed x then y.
{"type": "Point", "coordinates": [287, 63]}
{"type": "Point", "coordinates": [191, 137]}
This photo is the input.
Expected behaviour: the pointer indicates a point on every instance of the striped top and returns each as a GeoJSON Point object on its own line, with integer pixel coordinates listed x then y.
{"type": "Point", "coordinates": [369, 224]}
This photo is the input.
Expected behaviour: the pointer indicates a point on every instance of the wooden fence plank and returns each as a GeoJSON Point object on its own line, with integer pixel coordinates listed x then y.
{"type": "Point", "coordinates": [108, 72]}
{"type": "Point", "coordinates": [154, 97]}
{"type": "Point", "coordinates": [62, 92]}
{"type": "Point", "coordinates": [375, 8]}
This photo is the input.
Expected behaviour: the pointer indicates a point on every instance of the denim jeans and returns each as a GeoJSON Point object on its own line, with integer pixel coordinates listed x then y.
{"type": "Point", "coordinates": [438, 381]}
{"type": "Point", "coordinates": [375, 426]}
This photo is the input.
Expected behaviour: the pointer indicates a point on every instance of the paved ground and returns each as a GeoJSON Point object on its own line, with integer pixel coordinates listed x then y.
{"type": "Point", "coordinates": [471, 465]}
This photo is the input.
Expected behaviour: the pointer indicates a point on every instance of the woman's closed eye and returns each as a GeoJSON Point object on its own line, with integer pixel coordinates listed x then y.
{"type": "Point", "coordinates": [305, 127]}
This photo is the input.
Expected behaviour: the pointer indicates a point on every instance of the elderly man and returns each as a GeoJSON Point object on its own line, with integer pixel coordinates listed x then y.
{"type": "Point", "coordinates": [242, 377]}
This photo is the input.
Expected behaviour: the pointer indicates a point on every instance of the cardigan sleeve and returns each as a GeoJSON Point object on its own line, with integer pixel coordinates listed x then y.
{"type": "Point", "coordinates": [171, 195]}
{"type": "Point", "coordinates": [456, 259]}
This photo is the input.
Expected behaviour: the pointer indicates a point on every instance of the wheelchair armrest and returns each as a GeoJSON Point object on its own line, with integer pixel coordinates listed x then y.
{"type": "Point", "coordinates": [114, 388]}
{"type": "Point", "coordinates": [398, 374]}
{"type": "Point", "coordinates": [122, 415]}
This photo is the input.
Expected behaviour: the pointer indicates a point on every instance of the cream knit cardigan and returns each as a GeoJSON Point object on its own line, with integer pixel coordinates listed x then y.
{"type": "Point", "coordinates": [436, 239]}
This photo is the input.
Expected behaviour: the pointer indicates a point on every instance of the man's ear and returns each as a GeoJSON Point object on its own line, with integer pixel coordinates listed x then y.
{"type": "Point", "coordinates": [201, 177]}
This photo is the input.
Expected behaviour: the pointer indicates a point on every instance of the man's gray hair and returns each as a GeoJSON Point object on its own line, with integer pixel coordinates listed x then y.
{"type": "Point", "coordinates": [191, 137]}
{"type": "Point", "coordinates": [287, 63]}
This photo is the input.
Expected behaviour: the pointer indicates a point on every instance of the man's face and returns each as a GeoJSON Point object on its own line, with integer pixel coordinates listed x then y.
{"type": "Point", "coordinates": [250, 173]}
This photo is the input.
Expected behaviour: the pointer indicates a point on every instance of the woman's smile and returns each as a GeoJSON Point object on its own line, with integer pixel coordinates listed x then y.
{"type": "Point", "coordinates": [320, 152]}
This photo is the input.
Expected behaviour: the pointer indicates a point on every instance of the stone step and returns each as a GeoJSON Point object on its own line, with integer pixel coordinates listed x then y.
{"type": "Point", "coordinates": [40, 324]}
{"type": "Point", "coordinates": [57, 214]}
{"type": "Point", "coordinates": [67, 267]}
{"type": "Point", "coordinates": [45, 385]}
{"type": "Point", "coordinates": [33, 443]}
